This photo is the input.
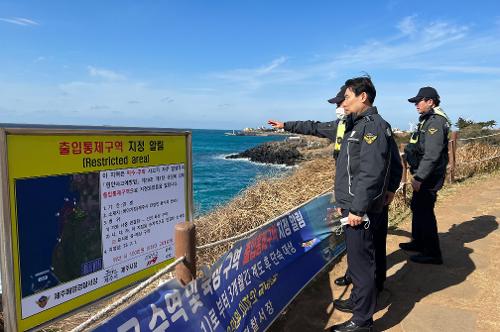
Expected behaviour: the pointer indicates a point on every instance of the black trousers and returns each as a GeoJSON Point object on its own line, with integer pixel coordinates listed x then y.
{"type": "Point", "coordinates": [424, 224]}
{"type": "Point", "coordinates": [361, 260]}
{"type": "Point", "coordinates": [380, 244]}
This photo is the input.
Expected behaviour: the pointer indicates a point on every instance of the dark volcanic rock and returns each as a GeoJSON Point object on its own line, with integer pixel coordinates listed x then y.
{"type": "Point", "coordinates": [272, 153]}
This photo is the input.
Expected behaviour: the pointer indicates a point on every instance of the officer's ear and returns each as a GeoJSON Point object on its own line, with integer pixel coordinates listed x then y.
{"type": "Point", "coordinates": [364, 97]}
{"type": "Point", "coordinates": [430, 103]}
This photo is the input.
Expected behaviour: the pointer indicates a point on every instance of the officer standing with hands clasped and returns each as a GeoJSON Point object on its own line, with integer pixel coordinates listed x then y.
{"type": "Point", "coordinates": [362, 172]}
{"type": "Point", "coordinates": [427, 156]}
{"type": "Point", "coordinates": [360, 186]}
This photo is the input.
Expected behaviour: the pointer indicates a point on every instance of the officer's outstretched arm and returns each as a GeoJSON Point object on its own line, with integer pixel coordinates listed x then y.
{"type": "Point", "coordinates": [433, 148]}
{"type": "Point", "coordinates": [373, 170]}
{"type": "Point", "coordinates": [315, 128]}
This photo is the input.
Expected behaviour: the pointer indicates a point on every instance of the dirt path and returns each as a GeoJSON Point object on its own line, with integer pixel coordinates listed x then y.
{"type": "Point", "coordinates": [463, 294]}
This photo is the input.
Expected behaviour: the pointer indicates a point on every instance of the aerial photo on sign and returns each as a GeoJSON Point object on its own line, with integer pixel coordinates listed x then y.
{"type": "Point", "coordinates": [97, 228]}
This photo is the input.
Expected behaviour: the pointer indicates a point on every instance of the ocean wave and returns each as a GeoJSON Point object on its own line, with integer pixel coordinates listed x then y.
{"type": "Point", "coordinates": [280, 166]}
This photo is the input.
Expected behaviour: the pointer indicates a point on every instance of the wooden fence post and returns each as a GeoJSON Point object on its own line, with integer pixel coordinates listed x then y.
{"type": "Point", "coordinates": [404, 178]}
{"type": "Point", "coordinates": [185, 245]}
{"type": "Point", "coordinates": [454, 137]}
{"type": "Point", "coordinates": [452, 148]}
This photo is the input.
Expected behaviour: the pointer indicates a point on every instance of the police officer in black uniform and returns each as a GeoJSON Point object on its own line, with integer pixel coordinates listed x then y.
{"type": "Point", "coordinates": [427, 156]}
{"type": "Point", "coordinates": [362, 174]}
{"type": "Point", "coordinates": [336, 129]}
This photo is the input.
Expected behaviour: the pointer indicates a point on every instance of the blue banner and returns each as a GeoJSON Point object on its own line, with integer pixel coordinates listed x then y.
{"type": "Point", "coordinates": [249, 286]}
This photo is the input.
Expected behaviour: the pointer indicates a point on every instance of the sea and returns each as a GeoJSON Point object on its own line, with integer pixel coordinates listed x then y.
{"type": "Point", "coordinates": [215, 179]}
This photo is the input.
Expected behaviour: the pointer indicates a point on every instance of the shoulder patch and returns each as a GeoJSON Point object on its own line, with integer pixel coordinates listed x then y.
{"type": "Point", "coordinates": [370, 138]}
{"type": "Point", "coordinates": [432, 131]}
{"type": "Point", "coordinates": [389, 132]}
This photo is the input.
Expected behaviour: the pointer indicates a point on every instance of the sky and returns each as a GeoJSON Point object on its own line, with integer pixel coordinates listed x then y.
{"type": "Point", "coordinates": [225, 64]}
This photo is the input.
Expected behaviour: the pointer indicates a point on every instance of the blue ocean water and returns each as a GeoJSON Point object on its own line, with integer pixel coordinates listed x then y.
{"type": "Point", "coordinates": [217, 180]}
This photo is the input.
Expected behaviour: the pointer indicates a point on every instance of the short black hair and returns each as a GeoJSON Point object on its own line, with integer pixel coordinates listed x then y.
{"type": "Point", "coordinates": [436, 101]}
{"type": "Point", "coordinates": [362, 84]}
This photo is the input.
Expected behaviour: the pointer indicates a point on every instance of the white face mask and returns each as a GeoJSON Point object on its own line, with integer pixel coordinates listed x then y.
{"type": "Point", "coordinates": [340, 113]}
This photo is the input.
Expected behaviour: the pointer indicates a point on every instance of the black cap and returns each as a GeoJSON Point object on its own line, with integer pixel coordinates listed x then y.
{"type": "Point", "coordinates": [426, 92]}
{"type": "Point", "coordinates": [339, 98]}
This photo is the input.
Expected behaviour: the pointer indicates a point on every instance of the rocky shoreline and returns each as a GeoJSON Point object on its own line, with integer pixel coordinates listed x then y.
{"type": "Point", "coordinates": [289, 152]}
{"type": "Point", "coordinates": [271, 153]}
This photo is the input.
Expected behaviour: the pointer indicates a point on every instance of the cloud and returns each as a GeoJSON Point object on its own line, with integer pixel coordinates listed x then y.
{"type": "Point", "coordinates": [99, 107]}
{"type": "Point", "coordinates": [421, 40]}
{"type": "Point", "coordinates": [407, 25]}
{"type": "Point", "coordinates": [253, 75]}
{"type": "Point", "coordinates": [466, 69]}
{"type": "Point", "coordinates": [134, 102]}
{"type": "Point", "coordinates": [105, 74]}
{"type": "Point", "coordinates": [410, 41]}
{"type": "Point", "coordinates": [167, 100]}
{"type": "Point", "coordinates": [201, 90]}
{"type": "Point", "coordinates": [428, 46]}
{"type": "Point", "coordinates": [443, 32]}
{"type": "Point", "coordinates": [19, 21]}
{"type": "Point", "coordinates": [269, 68]}
{"type": "Point", "coordinates": [432, 47]}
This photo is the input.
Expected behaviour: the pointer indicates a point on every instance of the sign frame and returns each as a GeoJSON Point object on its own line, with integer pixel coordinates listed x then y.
{"type": "Point", "coordinates": [10, 296]}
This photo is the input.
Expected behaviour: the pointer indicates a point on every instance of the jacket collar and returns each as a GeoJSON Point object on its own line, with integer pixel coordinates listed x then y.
{"type": "Point", "coordinates": [426, 115]}
{"type": "Point", "coordinates": [369, 111]}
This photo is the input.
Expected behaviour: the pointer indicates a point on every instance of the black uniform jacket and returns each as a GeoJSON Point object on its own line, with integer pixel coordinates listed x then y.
{"type": "Point", "coordinates": [362, 171]}
{"type": "Point", "coordinates": [431, 147]}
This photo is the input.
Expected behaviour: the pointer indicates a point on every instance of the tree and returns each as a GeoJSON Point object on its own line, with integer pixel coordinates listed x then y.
{"type": "Point", "coordinates": [488, 124]}
{"type": "Point", "coordinates": [462, 124]}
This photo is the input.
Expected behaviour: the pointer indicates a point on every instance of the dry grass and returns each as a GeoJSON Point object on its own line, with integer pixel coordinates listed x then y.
{"type": "Point", "coordinates": [469, 158]}
{"type": "Point", "coordinates": [267, 199]}
{"type": "Point", "coordinates": [399, 209]}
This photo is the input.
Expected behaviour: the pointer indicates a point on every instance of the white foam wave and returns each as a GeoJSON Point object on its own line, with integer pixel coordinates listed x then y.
{"type": "Point", "coordinates": [279, 166]}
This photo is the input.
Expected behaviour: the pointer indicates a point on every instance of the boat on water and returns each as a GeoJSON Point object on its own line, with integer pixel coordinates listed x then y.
{"type": "Point", "coordinates": [233, 133]}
